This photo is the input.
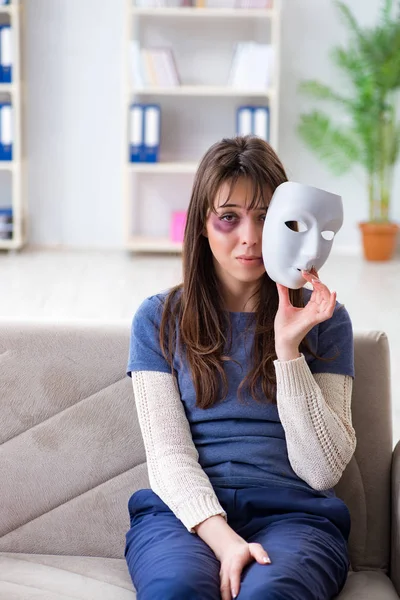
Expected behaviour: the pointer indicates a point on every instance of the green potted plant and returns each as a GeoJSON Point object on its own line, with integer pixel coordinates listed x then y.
{"type": "Point", "coordinates": [370, 134]}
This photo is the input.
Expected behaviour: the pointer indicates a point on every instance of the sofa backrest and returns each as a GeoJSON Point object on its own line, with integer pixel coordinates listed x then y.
{"type": "Point", "coordinates": [365, 485]}
{"type": "Point", "coordinates": [71, 452]}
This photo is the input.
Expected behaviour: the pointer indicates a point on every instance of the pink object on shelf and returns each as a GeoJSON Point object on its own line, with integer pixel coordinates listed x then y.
{"type": "Point", "coordinates": [178, 223]}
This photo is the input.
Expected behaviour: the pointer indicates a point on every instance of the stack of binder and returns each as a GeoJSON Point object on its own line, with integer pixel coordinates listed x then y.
{"type": "Point", "coordinates": [253, 120]}
{"type": "Point", "coordinates": [145, 132]}
{"type": "Point", "coordinates": [6, 131]}
{"type": "Point", "coordinates": [6, 54]}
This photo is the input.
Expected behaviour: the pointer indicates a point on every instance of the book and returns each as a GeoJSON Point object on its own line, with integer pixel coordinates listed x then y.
{"type": "Point", "coordinates": [157, 67]}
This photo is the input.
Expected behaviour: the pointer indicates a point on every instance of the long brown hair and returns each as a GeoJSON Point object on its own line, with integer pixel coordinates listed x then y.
{"type": "Point", "coordinates": [194, 316]}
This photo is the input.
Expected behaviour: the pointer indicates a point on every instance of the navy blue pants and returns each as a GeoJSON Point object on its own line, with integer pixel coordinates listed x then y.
{"type": "Point", "coordinates": [304, 534]}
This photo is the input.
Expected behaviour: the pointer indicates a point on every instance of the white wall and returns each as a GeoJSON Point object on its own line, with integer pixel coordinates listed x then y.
{"type": "Point", "coordinates": [74, 121]}
{"type": "Point", "coordinates": [74, 115]}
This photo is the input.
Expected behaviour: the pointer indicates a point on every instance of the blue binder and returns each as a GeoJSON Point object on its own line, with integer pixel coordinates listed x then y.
{"type": "Point", "coordinates": [261, 124]}
{"type": "Point", "coordinates": [136, 133]}
{"type": "Point", "coordinates": [6, 131]}
{"type": "Point", "coordinates": [6, 53]}
{"type": "Point", "coordinates": [152, 132]}
{"type": "Point", "coordinates": [6, 223]}
{"type": "Point", "coordinates": [244, 120]}
{"type": "Point", "coordinates": [145, 132]}
{"type": "Point", "coordinates": [253, 120]}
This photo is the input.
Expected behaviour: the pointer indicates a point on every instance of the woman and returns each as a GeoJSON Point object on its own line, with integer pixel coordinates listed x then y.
{"type": "Point", "coordinates": [243, 392]}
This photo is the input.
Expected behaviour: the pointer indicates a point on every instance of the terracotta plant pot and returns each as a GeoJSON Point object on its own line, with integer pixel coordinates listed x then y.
{"type": "Point", "coordinates": [379, 240]}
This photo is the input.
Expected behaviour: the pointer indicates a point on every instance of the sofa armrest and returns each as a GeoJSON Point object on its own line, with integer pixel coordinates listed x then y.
{"type": "Point", "coordinates": [395, 549]}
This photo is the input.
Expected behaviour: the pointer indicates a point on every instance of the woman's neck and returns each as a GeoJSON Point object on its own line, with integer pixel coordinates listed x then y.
{"type": "Point", "coordinates": [244, 300]}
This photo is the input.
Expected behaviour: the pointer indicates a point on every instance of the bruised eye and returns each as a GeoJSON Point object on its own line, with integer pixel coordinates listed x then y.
{"type": "Point", "coordinates": [228, 218]}
{"type": "Point", "coordinates": [328, 235]}
{"type": "Point", "coordinates": [298, 226]}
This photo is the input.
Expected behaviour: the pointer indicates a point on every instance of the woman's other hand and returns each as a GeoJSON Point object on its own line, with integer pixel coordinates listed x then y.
{"type": "Point", "coordinates": [235, 557]}
{"type": "Point", "coordinates": [292, 324]}
{"type": "Point", "coordinates": [232, 551]}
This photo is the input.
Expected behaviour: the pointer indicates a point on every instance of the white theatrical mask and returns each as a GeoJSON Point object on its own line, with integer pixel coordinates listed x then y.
{"type": "Point", "coordinates": [318, 216]}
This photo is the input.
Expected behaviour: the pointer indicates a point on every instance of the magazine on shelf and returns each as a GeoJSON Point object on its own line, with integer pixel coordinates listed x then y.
{"type": "Point", "coordinates": [153, 66]}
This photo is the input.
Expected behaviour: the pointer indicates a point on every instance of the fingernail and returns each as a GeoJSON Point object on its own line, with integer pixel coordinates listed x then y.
{"type": "Point", "coordinates": [315, 281]}
{"type": "Point", "coordinates": [266, 559]}
{"type": "Point", "coordinates": [234, 594]}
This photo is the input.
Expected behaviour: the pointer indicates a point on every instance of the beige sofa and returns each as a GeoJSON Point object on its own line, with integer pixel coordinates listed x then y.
{"type": "Point", "coordinates": [71, 454]}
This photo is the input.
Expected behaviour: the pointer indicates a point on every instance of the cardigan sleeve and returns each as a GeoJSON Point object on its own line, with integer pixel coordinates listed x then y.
{"type": "Point", "coordinates": [315, 412]}
{"type": "Point", "coordinates": [172, 459]}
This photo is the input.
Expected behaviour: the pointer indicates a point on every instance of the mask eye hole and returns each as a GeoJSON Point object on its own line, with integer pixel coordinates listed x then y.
{"type": "Point", "coordinates": [298, 226]}
{"type": "Point", "coordinates": [328, 235]}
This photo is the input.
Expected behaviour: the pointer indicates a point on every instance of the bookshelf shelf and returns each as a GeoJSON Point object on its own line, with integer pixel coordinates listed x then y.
{"type": "Point", "coordinates": [7, 88]}
{"type": "Point", "coordinates": [153, 244]}
{"type": "Point", "coordinates": [201, 44]}
{"type": "Point", "coordinates": [202, 90]}
{"type": "Point", "coordinates": [9, 245]}
{"type": "Point", "coordinates": [163, 167]}
{"type": "Point", "coordinates": [7, 9]}
{"type": "Point", "coordinates": [6, 165]}
{"type": "Point", "coordinates": [201, 13]}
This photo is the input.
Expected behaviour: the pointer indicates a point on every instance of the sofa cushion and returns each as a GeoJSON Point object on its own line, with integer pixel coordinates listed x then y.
{"type": "Point", "coordinates": [47, 577]}
{"type": "Point", "coordinates": [368, 585]}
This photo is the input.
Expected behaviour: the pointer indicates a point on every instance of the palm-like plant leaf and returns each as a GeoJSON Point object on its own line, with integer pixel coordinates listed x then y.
{"type": "Point", "coordinates": [349, 19]}
{"type": "Point", "coordinates": [337, 147]}
{"type": "Point", "coordinates": [386, 12]}
{"type": "Point", "coordinates": [394, 150]}
{"type": "Point", "coordinates": [323, 92]}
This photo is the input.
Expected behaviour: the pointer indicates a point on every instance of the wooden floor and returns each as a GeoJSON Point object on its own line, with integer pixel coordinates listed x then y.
{"type": "Point", "coordinates": [108, 286]}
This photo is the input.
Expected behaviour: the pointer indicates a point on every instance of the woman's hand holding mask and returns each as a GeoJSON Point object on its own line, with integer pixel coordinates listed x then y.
{"type": "Point", "coordinates": [292, 324]}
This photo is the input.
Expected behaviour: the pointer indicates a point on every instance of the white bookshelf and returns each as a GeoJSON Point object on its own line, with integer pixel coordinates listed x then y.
{"type": "Point", "coordinates": [12, 92]}
{"type": "Point", "coordinates": [152, 191]}
{"type": "Point", "coordinates": [203, 13]}
{"type": "Point", "coordinates": [203, 90]}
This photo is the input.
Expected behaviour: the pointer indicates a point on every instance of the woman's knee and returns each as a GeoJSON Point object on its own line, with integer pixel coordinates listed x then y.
{"type": "Point", "coordinates": [286, 588]}
{"type": "Point", "coordinates": [177, 586]}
